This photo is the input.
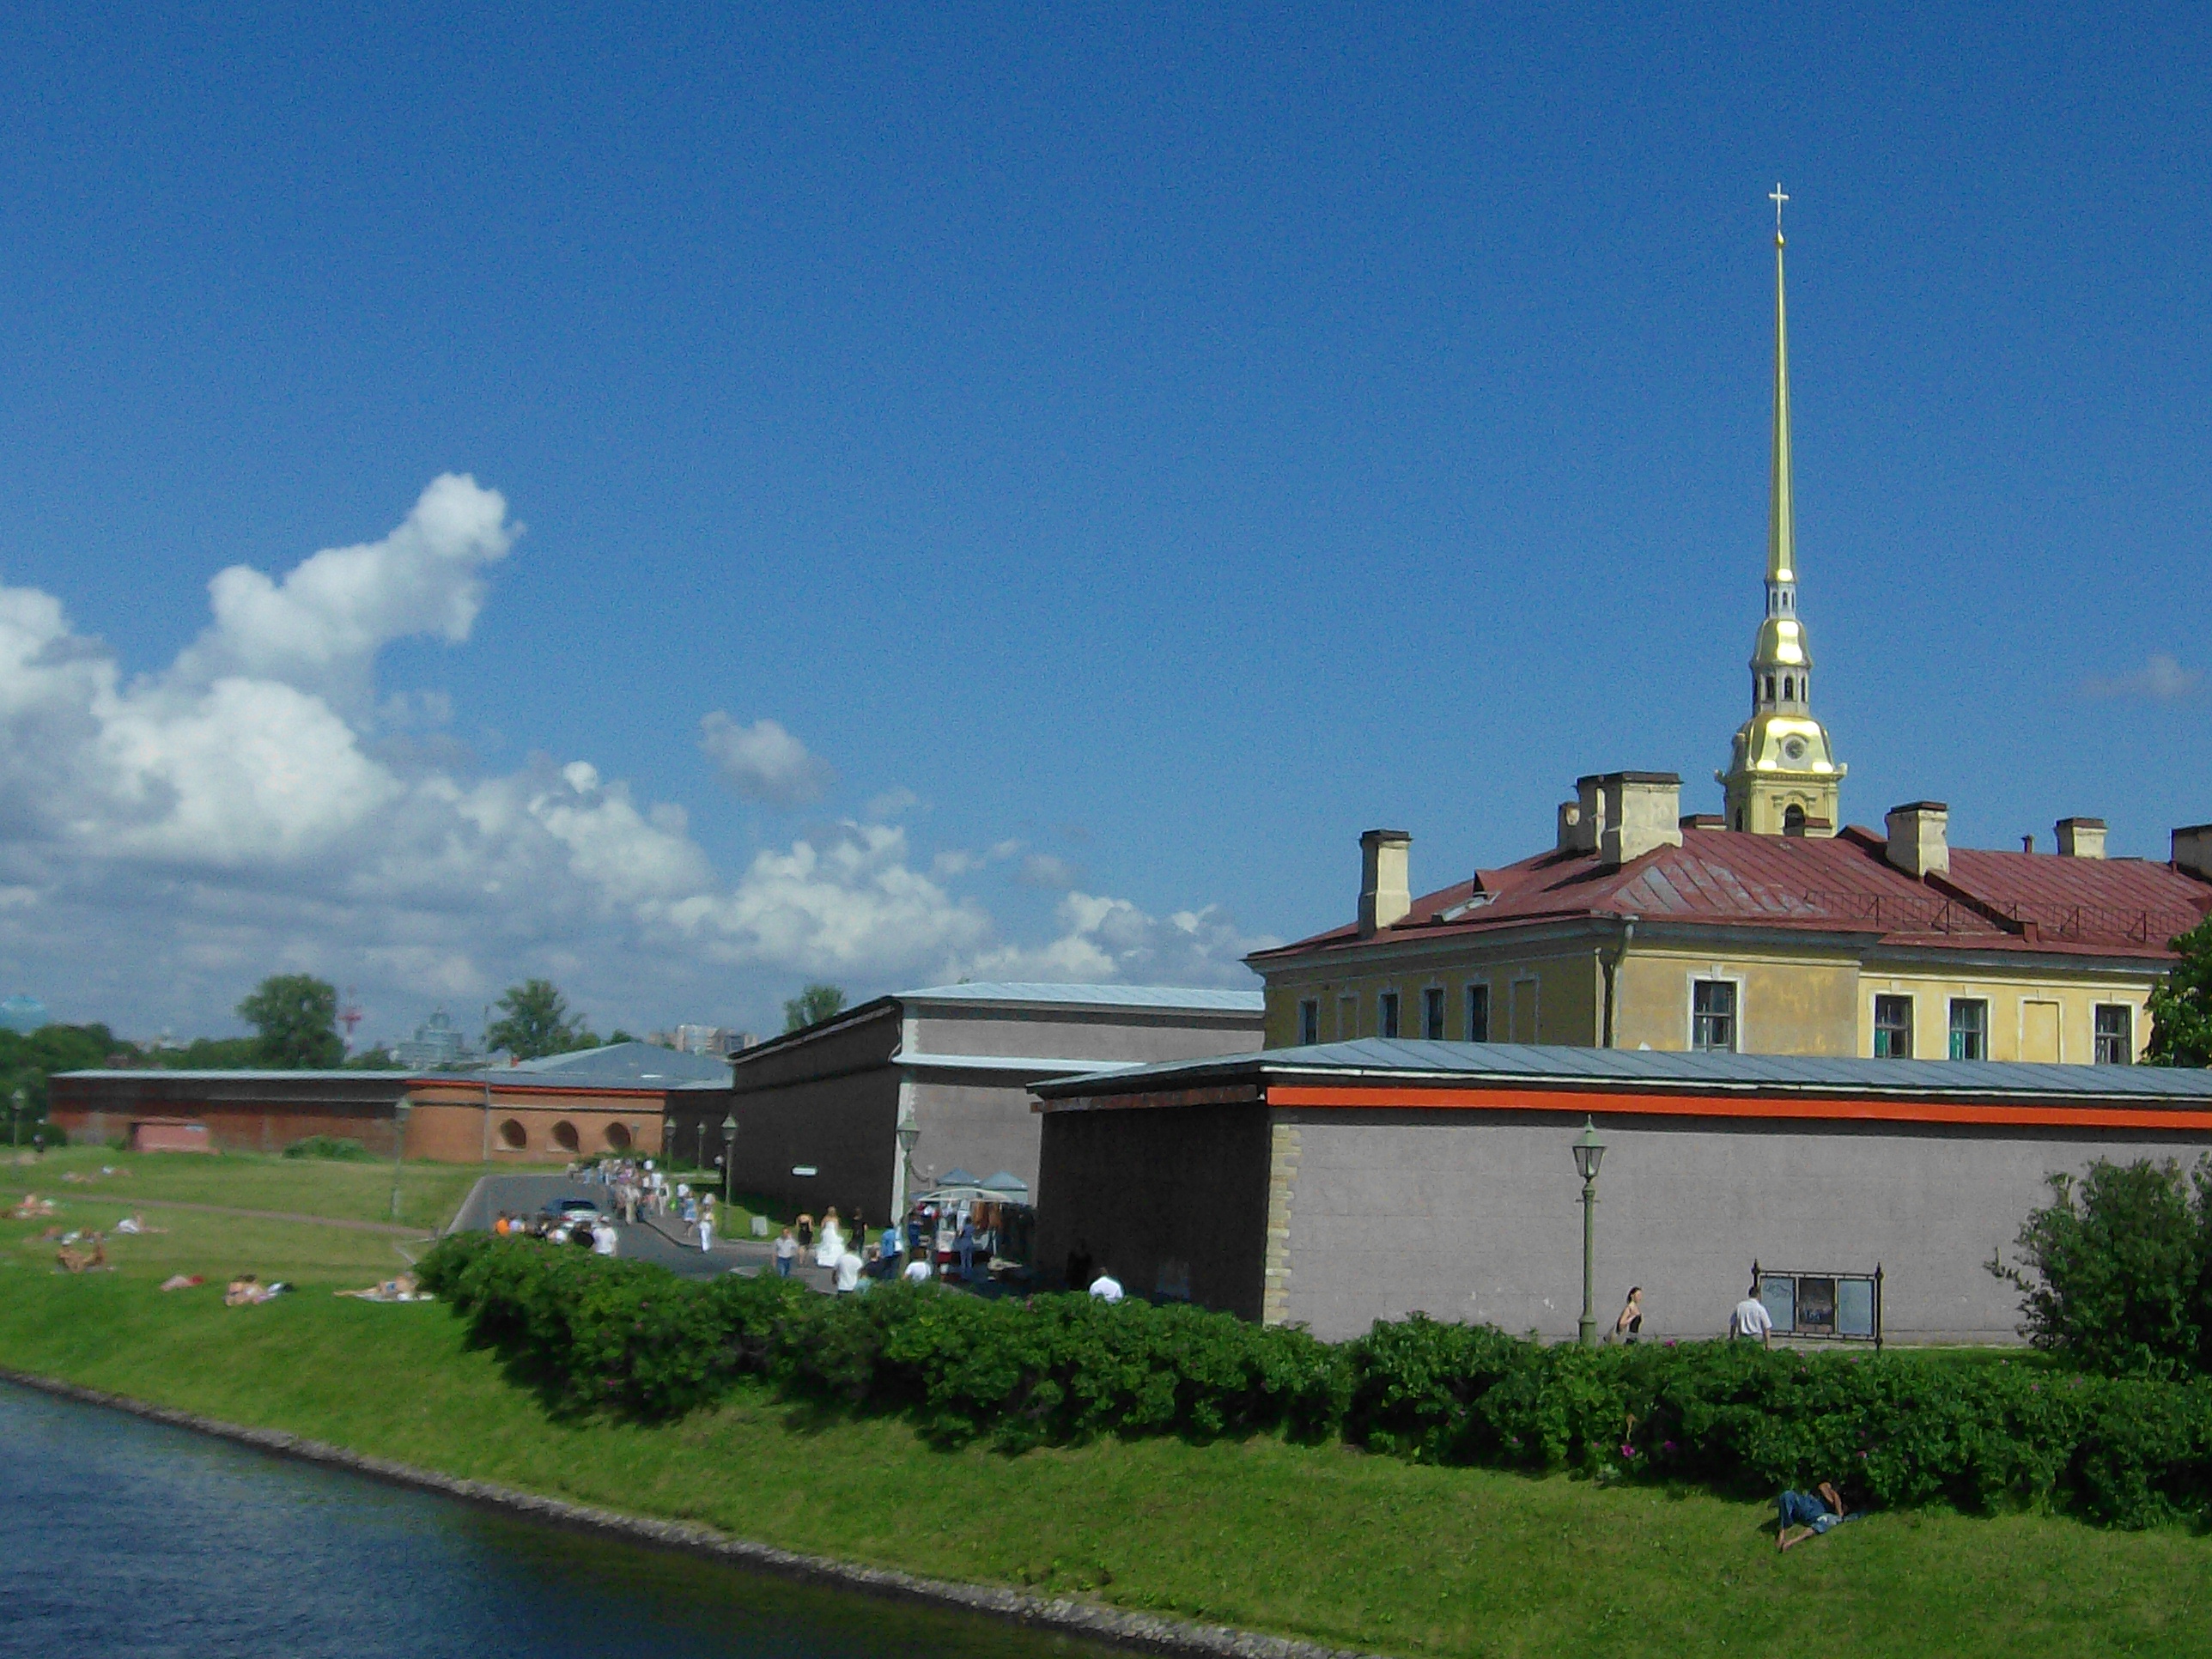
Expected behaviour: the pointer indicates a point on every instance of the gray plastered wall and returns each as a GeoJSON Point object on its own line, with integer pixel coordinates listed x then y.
{"type": "Point", "coordinates": [1477, 1217]}
{"type": "Point", "coordinates": [1109, 1032]}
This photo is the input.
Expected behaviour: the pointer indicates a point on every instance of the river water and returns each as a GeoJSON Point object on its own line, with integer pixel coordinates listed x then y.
{"type": "Point", "coordinates": [122, 1537]}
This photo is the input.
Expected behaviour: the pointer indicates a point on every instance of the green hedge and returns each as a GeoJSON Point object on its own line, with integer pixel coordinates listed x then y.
{"type": "Point", "coordinates": [1891, 1429]}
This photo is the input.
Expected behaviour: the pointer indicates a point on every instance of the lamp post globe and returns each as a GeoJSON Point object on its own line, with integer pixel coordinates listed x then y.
{"type": "Point", "coordinates": [1589, 1152]}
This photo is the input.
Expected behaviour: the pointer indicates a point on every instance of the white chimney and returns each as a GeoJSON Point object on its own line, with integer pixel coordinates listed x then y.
{"type": "Point", "coordinates": [1589, 809]}
{"type": "Point", "coordinates": [2192, 851]}
{"type": "Point", "coordinates": [1384, 898]}
{"type": "Point", "coordinates": [1642, 811]}
{"type": "Point", "coordinates": [2080, 838]}
{"type": "Point", "coordinates": [1918, 838]}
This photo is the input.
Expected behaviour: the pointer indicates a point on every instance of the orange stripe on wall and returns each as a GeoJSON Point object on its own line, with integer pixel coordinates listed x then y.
{"type": "Point", "coordinates": [1671, 1105]}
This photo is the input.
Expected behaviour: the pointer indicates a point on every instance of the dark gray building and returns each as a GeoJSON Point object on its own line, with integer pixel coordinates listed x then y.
{"type": "Point", "coordinates": [819, 1110]}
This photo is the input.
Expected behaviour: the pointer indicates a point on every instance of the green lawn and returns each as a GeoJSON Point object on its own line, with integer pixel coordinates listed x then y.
{"type": "Point", "coordinates": [353, 1191]}
{"type": "Point", "coordinates": [1326, 1544]}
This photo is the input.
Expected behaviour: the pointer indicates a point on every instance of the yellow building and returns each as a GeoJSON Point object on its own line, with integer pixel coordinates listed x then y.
{"type": "Point", "coordinates": [1764, 929]}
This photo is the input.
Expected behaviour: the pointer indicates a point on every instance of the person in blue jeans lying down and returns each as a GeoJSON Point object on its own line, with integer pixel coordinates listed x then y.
{"type": "Point", "coordinates": [1808, 1514]}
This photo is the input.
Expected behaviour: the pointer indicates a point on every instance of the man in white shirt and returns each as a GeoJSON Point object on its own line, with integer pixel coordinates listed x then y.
{"type": "Point", "coordinates": [603, 1238]}
{"type": "Point", "coordinates": [848, 1273]}
{"type": "Point", "coordinates": [1106, 1287]}
{"type": "Point", "coordinates": [917, 1272]}
{"type": "Point", "coordinates": [1751, 1319]}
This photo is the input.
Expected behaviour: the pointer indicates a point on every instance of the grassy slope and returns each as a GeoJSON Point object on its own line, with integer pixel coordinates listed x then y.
{"type": "Point", "coordinates": [429, 1192]}
{"type": "Point", "coordinates": [1326, 1543]}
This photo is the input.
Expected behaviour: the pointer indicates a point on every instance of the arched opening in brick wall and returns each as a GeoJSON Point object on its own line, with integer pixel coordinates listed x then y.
{"type": "Point", "coordinates": [618, 1136]}
{"type": "Point", "coordinates": [564, 1135]}
{"type": "Point", "coordinates": [513, 1136]}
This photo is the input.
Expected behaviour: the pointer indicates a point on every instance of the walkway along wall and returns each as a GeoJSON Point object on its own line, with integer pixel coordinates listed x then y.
{"type": "Point", "coordinates": [1395, 1180]}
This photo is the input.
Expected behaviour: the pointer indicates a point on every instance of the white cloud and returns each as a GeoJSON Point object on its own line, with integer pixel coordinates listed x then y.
{"type": "Point", "coordinates": [1110, 938]}
{"type": "Point", "coordinates": [2160, 679]}
{"type": "Point", "coordinates": [321, 628]}
{"type": "Point", "coordinates": [851, 903]}
{"type": "Point", "coordinates": [165, 843]}
{"type": "Point", "coordinates": [763, 762]}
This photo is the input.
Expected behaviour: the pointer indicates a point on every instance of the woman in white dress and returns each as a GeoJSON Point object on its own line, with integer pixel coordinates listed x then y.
{"type": "Point", "coordinates": [830, 1242]}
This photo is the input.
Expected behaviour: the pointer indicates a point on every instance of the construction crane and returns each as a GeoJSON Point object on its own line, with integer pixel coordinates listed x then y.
{"type": "Point", "coordinates": [350, 1013]}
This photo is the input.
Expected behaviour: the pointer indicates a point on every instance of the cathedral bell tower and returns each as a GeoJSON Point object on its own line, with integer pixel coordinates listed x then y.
{"type": "Point", "coordinates": [1783, 778]}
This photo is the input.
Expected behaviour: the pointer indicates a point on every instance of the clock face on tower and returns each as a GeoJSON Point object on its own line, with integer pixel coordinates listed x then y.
{"type": "Point", "coordinates": [1793, 750]}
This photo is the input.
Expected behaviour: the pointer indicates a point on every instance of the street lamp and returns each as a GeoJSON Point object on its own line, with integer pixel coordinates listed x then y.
{"type": "Point", "coordinates": [15, 1123]}
{"type": "Point", "coordinates": [399, 1146]}
{"type": "Point", "coordinates": [1589, 1152]}
{"type": "Point", "coordinates": [729, 1152]}
{"type": "Point", "coordinates": [699, 1158]}
{"type": "Point", "coordinates": [907, 1132]}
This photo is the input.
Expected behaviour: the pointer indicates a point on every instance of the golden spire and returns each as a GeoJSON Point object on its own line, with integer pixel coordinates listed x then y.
{"type": "Point", "coordinates": [1783, 777]}
{"type": "Point", "coordinates": [1781, 519]}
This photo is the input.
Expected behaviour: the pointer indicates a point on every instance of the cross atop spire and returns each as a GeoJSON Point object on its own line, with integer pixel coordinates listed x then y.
{"type": "Point", "coordinates": [1776, 197]}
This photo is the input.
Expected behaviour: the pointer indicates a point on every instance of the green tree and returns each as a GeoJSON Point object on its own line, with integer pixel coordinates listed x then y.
{"type": "Point", "coordinates": [2113, 1275]}
{"type": "Point", "coordinates": [297, 1017]}
{"type": "Point", "coordinates": [25, 1063]}
{"type": "Point", "coordinates": [811, 1006]}
{"type": "Point", "coordinates": [538, 1022]}
{"type": "Point", "coordinates": [2181, 1004]}
{"type": "Point", "coordinates": [210, 1054]}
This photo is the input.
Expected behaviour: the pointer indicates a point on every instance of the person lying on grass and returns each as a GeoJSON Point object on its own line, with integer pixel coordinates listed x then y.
{"type": "Point", "coordinates": [83, 1261]}
{"type": "Point", "coordinates": [246, 1290]}
{"type": "Point", "coordinates": [1808, 1514]}
{"type": "Point", "coordinates": [401, 1289]}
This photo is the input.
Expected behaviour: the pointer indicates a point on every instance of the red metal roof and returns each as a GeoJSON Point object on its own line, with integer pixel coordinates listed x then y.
{"type": "Point", "coordinates": [1990, 901]}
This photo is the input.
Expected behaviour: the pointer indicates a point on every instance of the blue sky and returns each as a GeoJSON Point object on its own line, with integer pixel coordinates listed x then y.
{"type": "Point", "coordinates": [1124, 455]}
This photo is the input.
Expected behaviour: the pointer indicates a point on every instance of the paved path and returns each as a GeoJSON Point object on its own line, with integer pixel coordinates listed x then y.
{"type": "Point", "coordinates": [665, 1241]}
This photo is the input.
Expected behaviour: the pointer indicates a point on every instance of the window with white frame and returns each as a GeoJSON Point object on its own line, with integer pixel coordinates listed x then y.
{"type": "Point", "coordinates": [1970, 1028]}
{"type": "Point", "coordinates": [1713, 1015]}
{"type": "Point", "coordinates": [2116, 1034]}
{"type": "Point", "coordinates": [1893, 1028]}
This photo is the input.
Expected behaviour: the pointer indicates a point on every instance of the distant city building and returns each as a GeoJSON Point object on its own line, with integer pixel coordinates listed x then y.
{"type": "Point", "coordinates": [23, 1012]}
{"type": "Point", "coordinates": [706, 1040]}
{"type": "Point", "coordinates": [436, 1043]}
